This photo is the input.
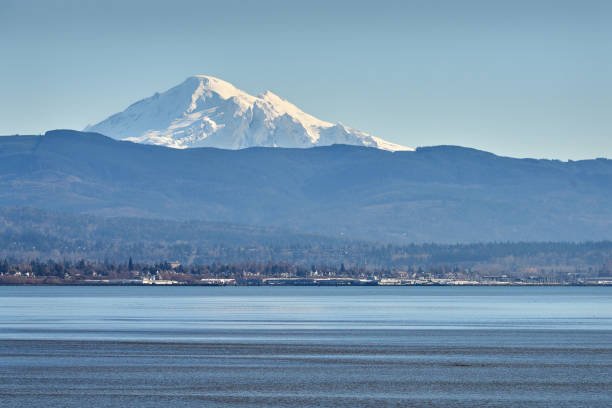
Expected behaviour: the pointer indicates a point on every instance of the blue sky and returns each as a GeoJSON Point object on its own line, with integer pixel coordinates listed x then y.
{"type": "Point", "coordinates": [518, 78]}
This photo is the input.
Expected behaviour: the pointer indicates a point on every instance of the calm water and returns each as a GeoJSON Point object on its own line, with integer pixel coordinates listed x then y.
{"type": "Point", "coordinates": [305, 347]}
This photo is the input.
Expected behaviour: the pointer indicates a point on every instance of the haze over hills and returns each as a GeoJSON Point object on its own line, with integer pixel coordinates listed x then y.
{"type": "Point", "coordinates": [32, 234]}
{"type": "Point", "coordinates": [204, 111]}
{"type": "Point", "coordinates": [434, 194]}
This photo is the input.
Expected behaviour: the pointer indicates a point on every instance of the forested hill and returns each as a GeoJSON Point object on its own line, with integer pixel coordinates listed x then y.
{"type": "Point", "coordinates": [435, 194]}
{"type": "Point", "coordinates": [28, 234]}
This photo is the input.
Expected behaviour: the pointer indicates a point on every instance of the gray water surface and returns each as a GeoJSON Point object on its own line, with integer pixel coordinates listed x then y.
{"type": "Point", "coordinates": [306, 346]}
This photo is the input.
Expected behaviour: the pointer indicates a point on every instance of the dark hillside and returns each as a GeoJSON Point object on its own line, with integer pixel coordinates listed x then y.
{"type": "Point", "coordinates": [435, 194]}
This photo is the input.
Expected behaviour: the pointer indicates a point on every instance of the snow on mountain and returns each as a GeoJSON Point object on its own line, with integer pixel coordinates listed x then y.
{"type": "Point", "coordinates": [207, 111]}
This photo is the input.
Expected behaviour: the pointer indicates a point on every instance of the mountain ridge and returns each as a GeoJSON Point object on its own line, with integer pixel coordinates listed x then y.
{"type": "Point", "coordinates": [434, 194]}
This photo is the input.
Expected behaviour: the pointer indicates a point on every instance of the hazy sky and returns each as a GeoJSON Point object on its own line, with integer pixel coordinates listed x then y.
{"type": "Point", "coordinates": [518, 78]}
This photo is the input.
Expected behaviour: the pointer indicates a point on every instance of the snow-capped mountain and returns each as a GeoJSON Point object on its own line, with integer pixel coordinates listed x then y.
{"type": "Point", "coordinates": [207, 111]}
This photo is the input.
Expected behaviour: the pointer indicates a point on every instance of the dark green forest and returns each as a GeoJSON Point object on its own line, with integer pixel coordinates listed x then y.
{"type": "Point", "coordinates": [29, 234]}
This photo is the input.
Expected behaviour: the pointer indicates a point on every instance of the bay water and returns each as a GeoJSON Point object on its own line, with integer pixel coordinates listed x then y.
{"type": "Point", "coordinates": [305, 346]}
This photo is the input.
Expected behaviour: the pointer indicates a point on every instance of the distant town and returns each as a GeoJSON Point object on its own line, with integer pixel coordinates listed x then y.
{"type": "Point", "coordinates": [269, 274]}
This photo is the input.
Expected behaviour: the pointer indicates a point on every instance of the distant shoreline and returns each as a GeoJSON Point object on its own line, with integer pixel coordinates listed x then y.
{"type": "Point", "coordinates": [314, 285]}
{"type": "Point", "coordinates": [85, 273]}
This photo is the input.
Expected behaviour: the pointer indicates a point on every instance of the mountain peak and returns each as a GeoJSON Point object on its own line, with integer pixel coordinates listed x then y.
{"type": "Point", "coordinates": [221, 87]}
{"type": "Point", "coordinates": [208, 111]}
